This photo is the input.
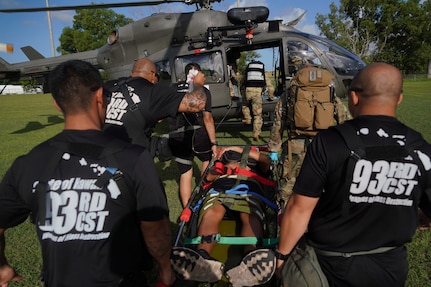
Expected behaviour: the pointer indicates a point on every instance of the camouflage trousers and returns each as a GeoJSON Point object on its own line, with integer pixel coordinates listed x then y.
{"type": "Point", "coordinates": [253, 98]}
{"type": "Point", "coordinates": [343, 113]}
{"type": "Point", "coordinates": [288, 169]}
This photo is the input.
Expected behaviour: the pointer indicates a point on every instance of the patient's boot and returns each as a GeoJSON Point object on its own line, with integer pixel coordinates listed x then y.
{"type": "Point", "coordinates": [256, 268]}
{"type": "Point", "coordinates": [196, 266]}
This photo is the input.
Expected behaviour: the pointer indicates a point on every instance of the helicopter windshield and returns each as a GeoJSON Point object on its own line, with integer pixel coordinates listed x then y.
{"type": "Point", "coordinates": [343, 61]}
{"type": "Point", "coordinates": [211, 65]}
{"type": "Point", "coordinates": [300, 53]}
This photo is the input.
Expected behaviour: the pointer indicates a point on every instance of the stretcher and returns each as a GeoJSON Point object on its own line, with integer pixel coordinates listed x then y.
{"type": "Point", "coordinates": [229, 247]}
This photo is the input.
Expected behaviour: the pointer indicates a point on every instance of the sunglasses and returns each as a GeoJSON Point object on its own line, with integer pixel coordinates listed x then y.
{"type": "Point", "coordinates": [358, 90]}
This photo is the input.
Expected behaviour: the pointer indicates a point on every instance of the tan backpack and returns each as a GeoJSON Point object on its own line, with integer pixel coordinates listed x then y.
{"type": "Point", "coordinates": [311, 101]}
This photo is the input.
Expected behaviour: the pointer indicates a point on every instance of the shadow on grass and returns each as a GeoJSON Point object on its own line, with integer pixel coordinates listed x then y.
{"type": "Point", "coordinates": [35, 125]}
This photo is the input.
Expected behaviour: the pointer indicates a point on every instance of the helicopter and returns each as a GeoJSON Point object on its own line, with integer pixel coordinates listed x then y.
{"type": "Point", "coordinates": [213, 39]}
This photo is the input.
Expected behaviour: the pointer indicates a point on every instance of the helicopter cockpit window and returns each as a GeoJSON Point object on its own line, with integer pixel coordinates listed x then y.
{"type": "Point", "coordinates": [343, 61]}
{"type": "Point", "coordinates": [210, 63]}
{"type": "Point", "coordinates": [298, 54]}
{"type": "Point", "coordinates": [164, 70]}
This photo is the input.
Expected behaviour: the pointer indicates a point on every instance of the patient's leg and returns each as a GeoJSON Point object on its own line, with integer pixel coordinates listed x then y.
{"type": "Point", "coordinates": [210, 225]}
{"type": "Point", "coordinates": [251, 227]}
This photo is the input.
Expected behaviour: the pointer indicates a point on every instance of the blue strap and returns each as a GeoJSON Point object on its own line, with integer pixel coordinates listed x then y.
{"type": "Point", "coordinates": [242, 189]}
{"type": "Point", "coordinates": [197, 206]}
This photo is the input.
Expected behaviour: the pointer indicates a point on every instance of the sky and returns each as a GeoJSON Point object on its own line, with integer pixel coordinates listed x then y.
{"type": "Point", "coordinates": [32, 29]}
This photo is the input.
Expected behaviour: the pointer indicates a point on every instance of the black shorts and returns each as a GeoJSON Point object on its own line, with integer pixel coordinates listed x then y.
{"type": "Point", "coordinates": [186, 148]}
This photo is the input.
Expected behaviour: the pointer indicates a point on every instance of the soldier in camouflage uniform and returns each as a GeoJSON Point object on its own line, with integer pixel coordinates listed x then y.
{"type": "Point", "coordinates": [289, 169]}
{"type": "Point", "coordinates": [254, 83]}
{"type": "Point", "coordinates": [269, 89]}
{"type": "Point", "coordinates": [253, 98]}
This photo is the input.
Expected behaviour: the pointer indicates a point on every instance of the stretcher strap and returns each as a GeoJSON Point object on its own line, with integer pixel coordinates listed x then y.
{"type": "Point", "coordinates": [242, 189]}
{"type": "Point", "coordinates": [259, 178]}
{"type": "Point", "coordinates": [231, 240]}
{"type": "Point", "coordinates": [221, 169]}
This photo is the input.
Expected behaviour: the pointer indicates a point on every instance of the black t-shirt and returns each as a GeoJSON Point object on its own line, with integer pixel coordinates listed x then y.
{"type": "Point", "coordinates": [382, 197]}
{"type": "Point", "coordinates": [201, 140]}
{"type": "Point", "coordinates": [90, 235]}
{"type": "Point", "coordinates": [155, 102]}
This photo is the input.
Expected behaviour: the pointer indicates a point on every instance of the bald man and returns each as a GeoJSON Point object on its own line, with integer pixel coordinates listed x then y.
{"type": "Point", "coordinates": [359, 211]}
{"type": "Point", "coordinates": [153, 102]}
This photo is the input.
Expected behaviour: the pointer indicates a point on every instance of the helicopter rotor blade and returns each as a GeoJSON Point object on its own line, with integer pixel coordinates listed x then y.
{"type": "Point", "coordinates": [94, 6]}
{"type": "Point", "coordinates": [296, 21]}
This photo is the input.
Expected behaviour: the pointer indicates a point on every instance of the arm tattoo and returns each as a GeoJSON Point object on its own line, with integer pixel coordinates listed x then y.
{"type": "Point", "coordinates": [195, 100]}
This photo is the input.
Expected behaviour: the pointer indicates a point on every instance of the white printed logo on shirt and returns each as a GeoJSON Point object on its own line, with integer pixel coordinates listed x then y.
{"type": "Point", "coordinates": [75, 208]}
{"type": "Point", "coordinates": [117, 108]}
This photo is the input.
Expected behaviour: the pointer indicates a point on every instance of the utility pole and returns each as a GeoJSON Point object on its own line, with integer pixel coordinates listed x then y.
{"type": "Point", "coordinates": [50, 29]}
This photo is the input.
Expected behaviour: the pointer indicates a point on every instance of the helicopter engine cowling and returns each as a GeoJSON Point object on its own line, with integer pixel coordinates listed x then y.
{"type": "Point", "coordinates": [152, 34]}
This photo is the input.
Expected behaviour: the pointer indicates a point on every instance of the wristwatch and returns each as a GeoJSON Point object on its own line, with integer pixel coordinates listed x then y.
{"type": "Point", "coordinates": [214, 143]}
{"type": "Point", "coordinates": [281, 256]}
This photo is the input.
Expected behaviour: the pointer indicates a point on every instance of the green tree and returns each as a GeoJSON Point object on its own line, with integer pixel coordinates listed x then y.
{"type": "Point", "coordinates": [337, 27]}
{"type": "Point", "coordinates": [30, 85]}
{"type": "Point", "coordinates": [245, 58]}
{"type": "Point", "coordinates": [90, 30]}
{"type": "Point", "coordinates": [409, 43]}
{"type": "Point", "coordinates": [393, 31]}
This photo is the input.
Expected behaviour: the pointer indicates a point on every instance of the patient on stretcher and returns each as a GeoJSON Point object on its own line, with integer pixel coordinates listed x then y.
{"type": "Point", "coordinates": [235, 186]}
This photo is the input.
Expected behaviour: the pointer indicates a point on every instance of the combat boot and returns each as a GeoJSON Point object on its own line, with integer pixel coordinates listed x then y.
{"type": "Point", "coordinates": [256, 136]}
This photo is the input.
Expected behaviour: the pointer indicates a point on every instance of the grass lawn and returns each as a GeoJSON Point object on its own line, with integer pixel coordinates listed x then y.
{"type": "Point", "coordinates": [30, 119]}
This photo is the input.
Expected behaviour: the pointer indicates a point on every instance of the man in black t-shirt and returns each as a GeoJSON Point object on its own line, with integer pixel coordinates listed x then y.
{"type": "Point", "coordinates": [83, 189]}
{"type": "Point", "coordinates": [360, 209]}
{"type": "Point", "coordinates": [192, 134]}
{"type": "Point", "coordinates": [154, 102]}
